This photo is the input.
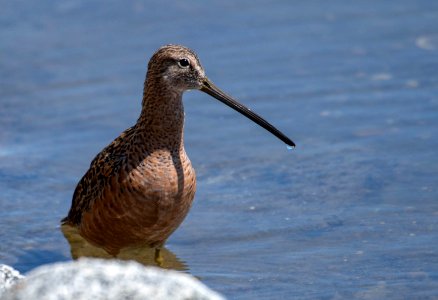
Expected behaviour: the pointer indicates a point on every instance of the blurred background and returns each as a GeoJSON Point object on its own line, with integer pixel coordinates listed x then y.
{"type": "Point", "coordinates": [352, 212]}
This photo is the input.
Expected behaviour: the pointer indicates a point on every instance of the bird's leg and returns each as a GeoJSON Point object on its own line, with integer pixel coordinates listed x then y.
{"type": "Point", "coordinates": [158, 258]}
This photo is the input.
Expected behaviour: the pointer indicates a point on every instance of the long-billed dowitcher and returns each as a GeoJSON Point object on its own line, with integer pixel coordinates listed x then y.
{"type": "Point", "coordinates": [140, 187]}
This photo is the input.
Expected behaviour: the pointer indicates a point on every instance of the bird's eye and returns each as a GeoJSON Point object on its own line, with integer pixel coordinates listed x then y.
{"type": "Point", "coordinates": [183, 63]}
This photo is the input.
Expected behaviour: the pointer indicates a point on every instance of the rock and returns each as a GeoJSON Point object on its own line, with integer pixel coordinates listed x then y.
{"type": "Point", "coordinates": [107, 279]}
{"type": "Point", "coordinates": [8, 277]}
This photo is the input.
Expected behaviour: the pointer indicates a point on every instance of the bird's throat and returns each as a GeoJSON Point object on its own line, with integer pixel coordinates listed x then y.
{"type": "Point", "coordinates": [162, 118]}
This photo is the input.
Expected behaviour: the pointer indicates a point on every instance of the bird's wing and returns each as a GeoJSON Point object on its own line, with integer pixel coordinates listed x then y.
{"type": "Point", "coordinates": [102, 186]}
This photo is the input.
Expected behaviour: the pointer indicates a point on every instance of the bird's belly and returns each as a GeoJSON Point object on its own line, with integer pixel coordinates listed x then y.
{"type": "Point", "coordinates": [144, 205]}
{"type": "Point", "coordinates": [172, 194]}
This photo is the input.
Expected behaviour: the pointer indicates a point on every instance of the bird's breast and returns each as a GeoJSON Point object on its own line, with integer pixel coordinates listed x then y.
{"type": "Point", "coordinates": [169, 176]}
{"type": "Point", "coordinates": [145, 202]}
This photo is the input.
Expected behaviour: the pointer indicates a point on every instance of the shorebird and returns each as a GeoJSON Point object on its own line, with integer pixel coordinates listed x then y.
{"type": "Point", "coordinates": [140, 187]}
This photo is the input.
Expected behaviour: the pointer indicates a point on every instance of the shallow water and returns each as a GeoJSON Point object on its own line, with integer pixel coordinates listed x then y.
{"type": "Point", "coordinates": [352, 212]}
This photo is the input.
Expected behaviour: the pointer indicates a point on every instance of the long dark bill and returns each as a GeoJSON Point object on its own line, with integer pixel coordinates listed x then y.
{"type": "Point", "coordinates": [209, 88]}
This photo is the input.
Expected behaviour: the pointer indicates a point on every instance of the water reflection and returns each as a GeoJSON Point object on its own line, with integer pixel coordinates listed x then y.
{"type": "Point", "coordinates": [145, 255]}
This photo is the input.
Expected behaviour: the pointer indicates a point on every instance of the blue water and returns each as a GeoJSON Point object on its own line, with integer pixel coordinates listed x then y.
{"type": "Point", "coordinates": [351, 212]}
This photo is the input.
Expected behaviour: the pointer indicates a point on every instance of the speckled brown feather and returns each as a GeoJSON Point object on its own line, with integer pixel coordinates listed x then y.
{"type": "Point", "coordinates": [139, 188]}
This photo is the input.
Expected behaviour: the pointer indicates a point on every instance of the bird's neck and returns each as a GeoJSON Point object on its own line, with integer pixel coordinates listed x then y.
{"type": "Point", "coordinates": [162, 116]}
